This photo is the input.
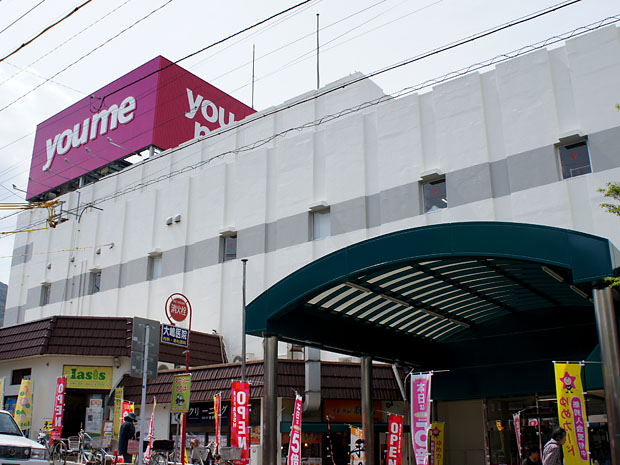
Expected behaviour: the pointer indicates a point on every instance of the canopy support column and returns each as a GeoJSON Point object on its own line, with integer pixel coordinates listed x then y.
{"type": "Point", "coordinates": [606, 324]}
{"type": "Point", "coordinates": [367, 410]}
{"type": "Point", "coordinates": [270, 402]}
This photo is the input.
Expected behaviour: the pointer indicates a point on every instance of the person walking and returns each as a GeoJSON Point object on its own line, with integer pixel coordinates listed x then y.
{"type": "Point", "coordinates": [552, 452]}
{"type": "Point", "coordinates": [533, 456]}
{"type": "Point", "coordinates": [127, 432]}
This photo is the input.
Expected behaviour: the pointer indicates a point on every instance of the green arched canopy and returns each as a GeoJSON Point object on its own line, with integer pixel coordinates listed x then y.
{"type": "Point", "coordinates": [446, 296]}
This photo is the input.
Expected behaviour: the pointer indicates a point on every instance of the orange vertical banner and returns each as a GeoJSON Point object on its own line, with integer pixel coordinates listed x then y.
{"type": "Point", "coordinates": [572, 413]}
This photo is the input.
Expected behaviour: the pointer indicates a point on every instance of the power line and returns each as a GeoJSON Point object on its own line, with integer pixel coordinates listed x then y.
{"type": "Point", "coordinates": [311, 34]}
{"type": "Point", "coordinates": [405, 91]}
{"type": "Point", "coordinates": [84, 56]}
{"type": "Point", "coordinates": [311, 52]}
{"type": "Point", "coordinates": [249, 36]}
{"type": "Point", "coordinates": [330, 25]}
{"type": "Point", "coordinates": [21, 70]}
{"type": "Point", "coordinates": [21, 16]}
{"type": "Point", "coordinates": [205, 48]}
{"type": "Point", "coordinates": [432, 52]}
{"type": "Point", "coordinates": [188, 56]}
{"type": "Point", "coordinates": [439, 50]}
{"type": "Point", "coordinates": [77, 8]}
{"type": "Point", "coordinates": [61, 44]}
{"type": "Point", "coordinates": [50, 78]}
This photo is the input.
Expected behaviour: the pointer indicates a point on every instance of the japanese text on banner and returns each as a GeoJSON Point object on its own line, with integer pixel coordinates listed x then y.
{"type": "Point", "coordinates": [420, 415]}
{"type": "Point", "coordinates": [217, 402]}
{"type": "Point", "coordinates": [572, 413]}
{"type": "Point", "coordinates": [436, 443]}
{"type": "Point", "coordinates": [23, 407]}
{"type": "Point", "coordinates": [118, 410]}
{"type": "Point", "coordinates": [294, 445]}
{"type": "Point", "coordinates": [357, 455]}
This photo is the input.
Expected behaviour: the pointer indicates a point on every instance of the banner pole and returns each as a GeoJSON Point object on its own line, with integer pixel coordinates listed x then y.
{"type": "Point", "coordinates": [243, 347]}
{"type": "Point", "coordinates": [145, 362]}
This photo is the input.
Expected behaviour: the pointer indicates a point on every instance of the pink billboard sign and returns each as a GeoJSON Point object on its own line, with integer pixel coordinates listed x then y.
{"type": "Point", "coordinates": [420, 416]}
{"type": "Point", "coordinates": [158, 104]}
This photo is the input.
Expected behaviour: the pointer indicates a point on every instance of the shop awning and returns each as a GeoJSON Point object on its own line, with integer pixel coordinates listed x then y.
{"type": "Point", "coordinates": [433, 295]}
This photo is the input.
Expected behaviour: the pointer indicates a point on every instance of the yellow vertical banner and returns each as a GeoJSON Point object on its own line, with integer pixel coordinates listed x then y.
{"type": "Point", "coordinates": [23, 407]}
{"type": "Point", "coordinates": [118, 410]}
{"type": "Point", "coordinates": [436, 443]}
{"type": "Point", "coordinates": [572, 412]}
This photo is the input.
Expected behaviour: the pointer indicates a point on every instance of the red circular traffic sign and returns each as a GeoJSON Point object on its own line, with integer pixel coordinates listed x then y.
{"type": "Point", "coordinates": [177, 308]}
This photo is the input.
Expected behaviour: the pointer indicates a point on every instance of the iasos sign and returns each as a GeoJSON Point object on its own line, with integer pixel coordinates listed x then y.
{"type": "Point", "coordinates": [158, 104]}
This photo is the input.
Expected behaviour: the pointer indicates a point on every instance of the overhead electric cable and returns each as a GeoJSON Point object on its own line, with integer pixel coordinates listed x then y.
{"type": "Point", "coordinates": [311, 34]}
{"type": "Point", "coordinates": [84, 56]}
{"type": "Point", "coordinates": [449, 46]}
{"type": "Point", "coordinates": [523, 19]}
{"type": "Point", "coordinates": [468, 39]}
{"type": "Point", "coordinates": [21, 16]}
{"type": "Point", "coordinates": [263, 21]}
{"type": "Point", "coordinates": [61, 44]}
{"type": "Point", "coordinates": [259, 32]}
{"type": "Point", "coordinates": [26, 70]}
{"type": "Point", "coordinates": [50, 78]}
{"type": "Point", "coordinates": [405, 91]}
{"type": "Point", "coordinates": [77, 8]}
{"type": "Point", "coordinates": [310, 53]}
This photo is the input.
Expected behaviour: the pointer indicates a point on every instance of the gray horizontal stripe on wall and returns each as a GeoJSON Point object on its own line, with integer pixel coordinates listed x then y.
{"type": "Point", "coordinates": [516, 173]}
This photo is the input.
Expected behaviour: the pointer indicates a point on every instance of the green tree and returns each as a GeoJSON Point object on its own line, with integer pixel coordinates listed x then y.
{"type": "Point", "coordinates": [612, 192]}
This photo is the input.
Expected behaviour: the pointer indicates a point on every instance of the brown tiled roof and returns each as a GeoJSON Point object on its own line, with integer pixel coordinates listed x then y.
{"type": "Point", "coordinates": [97, 336]}
{"type": "Point", "coordinates": [90, 336]}
{"type": "Point", "coordinates": [24, 340]}
{"type": "Point", "coordinates": [338, 381]}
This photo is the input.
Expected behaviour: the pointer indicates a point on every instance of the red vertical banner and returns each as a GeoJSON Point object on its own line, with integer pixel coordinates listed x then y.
{"type": "Point", "coordinates": [395, 440]}
{"type": "Point", "coordinates": [294, 445]}
{"type": "Point", "coordinates": [59, 407]}
{"type": "Point", "coordinates": [149, 448]}
{"type": "Point", "coordinates": [240, 430]}
{"type": "Point", "coordinates": [217, 406]}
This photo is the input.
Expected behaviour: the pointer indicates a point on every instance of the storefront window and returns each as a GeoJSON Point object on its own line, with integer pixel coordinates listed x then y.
{"type": "Point", "coordinates": [538, 418]}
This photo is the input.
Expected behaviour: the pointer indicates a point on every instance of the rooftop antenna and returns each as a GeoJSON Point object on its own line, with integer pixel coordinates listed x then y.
{"type": "Point", "coordinates": [253, 61]}
{"type": "Point", "coordinates": [318, 81]}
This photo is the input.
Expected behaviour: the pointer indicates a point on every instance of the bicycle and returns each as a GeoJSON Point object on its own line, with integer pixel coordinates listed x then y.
{"type": "Point", "coordinates": [228, 455]}
{"type": "Point", "coordinates": [84, 455]}
{"type": "Point", "coordinates": [162, 452]}
{"type": "Point", "coordinates": [56, 448]}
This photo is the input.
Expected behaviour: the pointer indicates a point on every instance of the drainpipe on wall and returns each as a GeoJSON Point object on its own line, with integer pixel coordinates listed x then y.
{"type": "Point", "coordinates": [312, 393]}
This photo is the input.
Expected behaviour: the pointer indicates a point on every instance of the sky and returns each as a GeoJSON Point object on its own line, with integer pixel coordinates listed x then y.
{"type": "Point", "coordinates": [105, 39]}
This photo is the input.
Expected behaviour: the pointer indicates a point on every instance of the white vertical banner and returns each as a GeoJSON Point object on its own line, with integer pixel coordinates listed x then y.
{"type": "Point", "coordinates": [357, 455]}
{"type": "Point", "coordinates": [516, 418]}
{"type": "Point", "coordinates": [420, 415]}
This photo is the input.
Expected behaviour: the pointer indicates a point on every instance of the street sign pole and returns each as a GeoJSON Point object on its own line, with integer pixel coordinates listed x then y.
{"type": "Point", "coordinates": [147, 331]}
{"type": "Point", "coordinates": [178, 308]}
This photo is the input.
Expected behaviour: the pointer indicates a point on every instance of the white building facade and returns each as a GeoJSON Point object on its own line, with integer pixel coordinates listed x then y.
{"type": "Point", "coordinates": [529, 141]}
